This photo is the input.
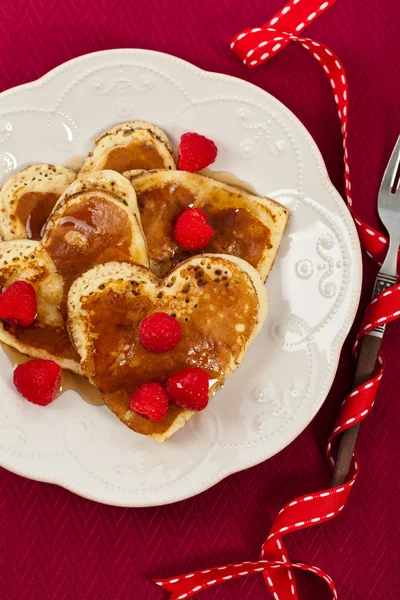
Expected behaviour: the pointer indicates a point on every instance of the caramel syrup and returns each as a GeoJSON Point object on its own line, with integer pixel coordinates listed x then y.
{"type": "Point", "coordinates": [229, 179]}
{"type": "Point", "coordinates": [69, 381]}
{"type": "Point", "coordinates": [75, 163]}
{"type": "Point", "coordinates": [87, 391]}
{"type": "Point", "coordinates": [33, 210]}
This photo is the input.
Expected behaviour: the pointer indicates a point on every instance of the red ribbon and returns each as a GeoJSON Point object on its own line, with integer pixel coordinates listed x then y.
{"type": "Point", "coordinates": [256, 46]}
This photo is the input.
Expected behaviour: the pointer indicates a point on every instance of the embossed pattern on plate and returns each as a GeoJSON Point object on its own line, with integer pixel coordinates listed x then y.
{"type": "Point", "coordinates": [314, 287]}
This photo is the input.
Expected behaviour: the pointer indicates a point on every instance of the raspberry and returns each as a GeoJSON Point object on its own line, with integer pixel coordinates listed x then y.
{"type": "Point", "coordinates": [192, 229]}
{"type": "Point", "coordinates": [150, 401]}
{"type": "Point", "coordinates": [189, 388]}
{"type": "Point", "coordinates": [159, 332]}
{"type": "Point", "coordinates": [38, 381]}
{"type": "Point", "coordinates": [196, 152]}
{"type": "Point", "coordinates": [18, 304]}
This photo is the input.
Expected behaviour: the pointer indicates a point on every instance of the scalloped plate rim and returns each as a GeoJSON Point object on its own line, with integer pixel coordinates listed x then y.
{"type": "Point", "coordinates": [340, 339]}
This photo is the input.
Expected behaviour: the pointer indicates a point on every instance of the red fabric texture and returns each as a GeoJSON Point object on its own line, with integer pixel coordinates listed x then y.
{"type": "Point", "coordinates": [59, 546]}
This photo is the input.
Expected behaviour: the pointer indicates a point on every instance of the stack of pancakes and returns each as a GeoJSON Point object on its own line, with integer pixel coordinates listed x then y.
{"type": "Point", "coordinates": [98, 247]}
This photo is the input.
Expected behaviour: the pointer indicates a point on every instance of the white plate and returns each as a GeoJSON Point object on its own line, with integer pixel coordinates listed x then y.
{"type": "Point", "coordinates": [314, 287]}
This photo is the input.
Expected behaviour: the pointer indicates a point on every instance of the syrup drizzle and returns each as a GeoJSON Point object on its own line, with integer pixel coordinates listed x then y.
{"type": "Point", "coordinates": [75, 163]}
{"type": "Point", "coordinates": [69, 381]}
{"type": "Point", "coordinates": [229, 179]}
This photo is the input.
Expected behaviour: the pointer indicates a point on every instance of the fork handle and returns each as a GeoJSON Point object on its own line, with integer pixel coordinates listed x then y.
{"type": "Point", "coordinates": [369, 350]}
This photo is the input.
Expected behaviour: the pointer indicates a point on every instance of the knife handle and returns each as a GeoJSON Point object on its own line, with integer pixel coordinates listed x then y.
{"type": "Point", "coordinates": [369, 350]}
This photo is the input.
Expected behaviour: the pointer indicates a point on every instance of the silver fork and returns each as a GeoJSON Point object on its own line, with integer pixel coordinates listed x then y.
{"type": "Point", "coordinates": [389, 212]}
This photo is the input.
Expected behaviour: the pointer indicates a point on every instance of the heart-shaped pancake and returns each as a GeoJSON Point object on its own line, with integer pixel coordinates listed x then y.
{"type": "Point", "coordinates": [219, 301]}
{"type": "Point", "coordinates": [28, 197]}
{"type": "Point", "coordinates": [244, 225]}
{"type": "Point", "coordinates": [132, 145]}
{"type": "Point", "coordinates": [96, 220]}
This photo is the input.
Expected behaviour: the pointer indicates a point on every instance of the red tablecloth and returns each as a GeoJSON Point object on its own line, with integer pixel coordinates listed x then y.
{"type": "Point", "coordinates": [57, 546]}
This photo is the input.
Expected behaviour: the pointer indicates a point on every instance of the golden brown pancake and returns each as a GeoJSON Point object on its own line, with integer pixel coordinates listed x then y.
{"type": "Point", "coordinates": [26, 260]}
{"type": "Point", "coordinates": [28, 197]}
{"type": "Point", "coordinates": [95, 221]}
{"type": "Point", "coordinates": [219, 301]}
{"type": "Point", "coordinates": [244, 225]}
{"type": "Point", "coordinates": [132, 145]}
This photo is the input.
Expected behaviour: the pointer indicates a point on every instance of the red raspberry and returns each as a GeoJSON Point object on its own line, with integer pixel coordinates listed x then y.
{"type": "Point", "coordinates": [18, 304]}
{"type": "Point", "coordinates": [150, 401]}
{"type": "Point", "coordinates": [38, 381]}
{"type": "Point", "coordinates": [189, 388]}
{"type": "Point", "coordinates": [159, 332]}
{"type": "Point", "coordinates": [192, 229]}
{"type": "Point", "coordinates": [196, 152]}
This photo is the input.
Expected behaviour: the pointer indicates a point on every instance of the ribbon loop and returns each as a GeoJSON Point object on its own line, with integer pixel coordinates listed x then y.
{"type": "Point", "coordinates": [256, 47]}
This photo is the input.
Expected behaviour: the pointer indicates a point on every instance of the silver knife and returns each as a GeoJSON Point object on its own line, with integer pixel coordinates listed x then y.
{"type": "Point", "coordinates": [389, 212]}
